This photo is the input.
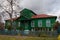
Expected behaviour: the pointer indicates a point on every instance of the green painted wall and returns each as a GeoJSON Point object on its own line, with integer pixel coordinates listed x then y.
{"type": "Point", "coordinates": [15, 24]}
{"type": "Point", "coordinates": [27, 13]}
{"type": "Point", "coordinates": [28, 22]}
{"type": "Point", "coordinates": [25, 25]}
{"type": "Point", "coordinates": [52, 20]}
{"type": "Point", "coordinates": [21, 18]}
{"type": "Point", "coordinates": [25, 17]}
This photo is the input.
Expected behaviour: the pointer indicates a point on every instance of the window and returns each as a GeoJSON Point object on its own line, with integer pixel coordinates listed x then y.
{"type": "Point", "coordinates": [9, 23]}
{"type": "Point", "coordinates": [14, 24]}
{"type": "Point", "coordinates": [19, 24]}
{"type": "Point", "coordinates": [39, 23]}
{"type": "Point", "coordinates": [32, 24]}
{"type": "Point", "coordinates": [48, 24]}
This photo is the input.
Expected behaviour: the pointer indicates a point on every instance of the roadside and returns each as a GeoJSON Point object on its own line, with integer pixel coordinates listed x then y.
{"type": "Point", "coordinates": [8, 37]}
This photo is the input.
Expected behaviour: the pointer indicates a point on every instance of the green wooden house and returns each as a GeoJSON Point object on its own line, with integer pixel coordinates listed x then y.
{"type": "Point", "coordinates": [28, 20]}
{"type": "Point", "coordinates": [43, 22]}
{"type": "Point", "coordinates": [21, 22]}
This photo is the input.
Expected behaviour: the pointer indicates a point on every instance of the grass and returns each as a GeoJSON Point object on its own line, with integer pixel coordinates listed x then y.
{"type": "Point", "coordinates": [5, 37]}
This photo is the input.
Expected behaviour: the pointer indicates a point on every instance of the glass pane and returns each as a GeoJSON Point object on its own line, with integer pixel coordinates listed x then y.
{"type": "Point", "coordinates": [39, 23]}
{"type": "Point", "coordinates": [19, 24]}
{"type": "Point", "coordinates": [32, 24]}
{"type": "Point", "coordinates": [48, 24]}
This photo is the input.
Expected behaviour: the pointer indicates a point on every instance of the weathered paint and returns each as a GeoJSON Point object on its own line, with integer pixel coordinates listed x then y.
{"type": "Point", "coordinates": [52, 19]}
{"type": "Point", "coordinates": [25, 17]}
{"type": "Point", "coordinates": [27, 13]}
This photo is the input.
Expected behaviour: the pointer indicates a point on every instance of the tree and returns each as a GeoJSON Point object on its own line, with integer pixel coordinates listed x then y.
{"type": "Point", "coordinates": [1, 23]}
{"type": "Point", "coordinates": [56, 25]}
{"type": "Point", "coordinates": [9, 7]}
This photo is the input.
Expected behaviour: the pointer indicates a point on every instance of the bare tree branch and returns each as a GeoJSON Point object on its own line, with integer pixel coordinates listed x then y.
{"type": "Point", "coordinates": [9, 1]}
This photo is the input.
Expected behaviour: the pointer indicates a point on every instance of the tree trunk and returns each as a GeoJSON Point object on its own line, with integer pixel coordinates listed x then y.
{"type": "Point", "coordinates": [10, 14]}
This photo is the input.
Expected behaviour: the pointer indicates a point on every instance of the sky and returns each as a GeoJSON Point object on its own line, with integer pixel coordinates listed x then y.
{"type": "Point", "coordinates": [50, 7]}
{"type": "Point", "coordinates": [42, 6]}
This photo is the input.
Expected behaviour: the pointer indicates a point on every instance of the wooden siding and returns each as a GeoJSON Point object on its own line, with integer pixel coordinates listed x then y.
{"type": "Point", "coordinates": [25, 17]}
{"type": "Point", "coordinates": [53, 19]}
{"type": "Point", "coordinates": [27, 13]}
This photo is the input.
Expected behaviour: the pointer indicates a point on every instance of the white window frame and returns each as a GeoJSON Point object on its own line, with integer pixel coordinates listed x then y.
{"type": "Point", "coordinates": [48, 23]}
{"type": "Point", "coordinates": [19, 24]}
{"type": "Point", "coordinates": [39, 23]}
{"type": "Point", "coordinates": [32, 23]}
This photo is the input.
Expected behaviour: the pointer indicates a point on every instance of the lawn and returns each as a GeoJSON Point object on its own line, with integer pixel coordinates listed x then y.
{"type": "Point", "coordinates": [6, 37]}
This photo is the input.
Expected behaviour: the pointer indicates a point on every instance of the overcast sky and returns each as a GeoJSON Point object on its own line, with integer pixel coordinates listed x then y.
{"type": "Point", "coordinates": [42, 6]}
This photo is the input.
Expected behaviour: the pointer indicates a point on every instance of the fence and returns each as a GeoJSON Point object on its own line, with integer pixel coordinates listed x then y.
{"type": "Point", "coordinates": [28, 33]}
